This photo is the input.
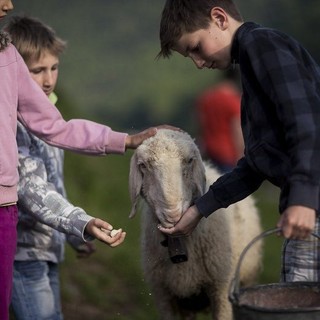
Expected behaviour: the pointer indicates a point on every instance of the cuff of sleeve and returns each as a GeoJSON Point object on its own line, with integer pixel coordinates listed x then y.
{"type": "Point", "coordinates": [207, 204]}
{"type": "Point", "coordinates": [79, 225]}
{"type": "Point", "coordinates": [304, 194]}
{"type": "Point", "coordinates": [116, 143]}
{"type": "Point", "coordinates": [86, 236]}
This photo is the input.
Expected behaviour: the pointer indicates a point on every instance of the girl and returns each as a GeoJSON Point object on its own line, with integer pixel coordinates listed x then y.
{"type": "Point", "coordinates": [21, 98]}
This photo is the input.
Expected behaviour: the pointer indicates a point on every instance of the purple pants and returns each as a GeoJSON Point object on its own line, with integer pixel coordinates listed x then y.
{"type": "Point", "coordinates": [8, 243]}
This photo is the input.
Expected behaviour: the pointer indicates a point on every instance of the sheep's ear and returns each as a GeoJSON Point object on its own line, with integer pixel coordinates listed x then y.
{"type": "Point", "coordinates": [200, 176]}
{"type": "Point", "coordinates": [135, 184]}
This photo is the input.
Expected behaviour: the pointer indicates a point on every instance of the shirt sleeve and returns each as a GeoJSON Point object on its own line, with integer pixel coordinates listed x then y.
{"type": "Point", "coordinates": [43, 119]}
{"type": "Point", "coordinates": [230, 188]}
{"type": "Point", "coordinates": [290, 78]}
{"type": "Point", "coordinates": [37, 197]}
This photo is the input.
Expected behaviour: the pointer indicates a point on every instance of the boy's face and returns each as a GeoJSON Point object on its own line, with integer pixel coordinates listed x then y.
{"type": "Point", "coordinates": [208, 48]}
{"type": "Point", "coordinates": [45, 71]}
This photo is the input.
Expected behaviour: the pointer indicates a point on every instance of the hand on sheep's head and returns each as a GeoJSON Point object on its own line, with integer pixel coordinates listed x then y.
{"type": "Point", "coordinates": [185, 225]}
{"type": "Point", "coordinates": [134, 141]}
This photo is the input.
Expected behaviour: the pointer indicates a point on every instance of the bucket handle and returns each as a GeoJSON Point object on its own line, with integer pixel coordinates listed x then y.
{"type": "Point", "coordinates": [235, 283]}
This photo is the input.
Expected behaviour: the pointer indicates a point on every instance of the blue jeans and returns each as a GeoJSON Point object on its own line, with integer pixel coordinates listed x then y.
{"type": "Point", "coordinates": [36, 291]}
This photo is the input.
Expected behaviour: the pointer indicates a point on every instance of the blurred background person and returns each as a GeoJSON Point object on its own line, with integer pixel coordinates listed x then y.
{"type": "Point", "coordinates": [218, 110]}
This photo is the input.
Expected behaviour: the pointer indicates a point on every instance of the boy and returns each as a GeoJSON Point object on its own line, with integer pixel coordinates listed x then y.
{"type": "Point", "coordinates": [280, 119]}
{"type": "Point", "coordinates": [36, 287]}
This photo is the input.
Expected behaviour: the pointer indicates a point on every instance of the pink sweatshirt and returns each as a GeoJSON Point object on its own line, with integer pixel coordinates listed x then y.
{"type": "Point", "coordinates": [21, 98]}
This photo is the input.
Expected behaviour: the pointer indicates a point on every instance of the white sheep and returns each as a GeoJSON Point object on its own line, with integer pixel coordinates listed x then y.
{"type": "Point", "coordinates": [168, 173]}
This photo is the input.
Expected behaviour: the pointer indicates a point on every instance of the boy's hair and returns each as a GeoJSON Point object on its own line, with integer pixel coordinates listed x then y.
{"type": "Point", "coordinates": [32, 38]}
{"type": "Point", "coordinates": [179, 16]}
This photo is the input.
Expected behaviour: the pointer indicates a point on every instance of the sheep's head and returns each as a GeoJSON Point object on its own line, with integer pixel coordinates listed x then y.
{"type": "Point", "coordinates": [168, 172]}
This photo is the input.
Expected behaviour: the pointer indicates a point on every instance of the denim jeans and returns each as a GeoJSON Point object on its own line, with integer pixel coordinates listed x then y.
{"type": "Point", "coordinates": [36, 291]}
{"type": "Point", "coordinates": [8, 244]}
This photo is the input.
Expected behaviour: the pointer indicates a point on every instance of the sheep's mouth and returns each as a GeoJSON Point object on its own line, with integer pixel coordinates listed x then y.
{"type": "Point", "coordinates": [167, 224]}
{"type": "Point", "coordinates": [166, 219]}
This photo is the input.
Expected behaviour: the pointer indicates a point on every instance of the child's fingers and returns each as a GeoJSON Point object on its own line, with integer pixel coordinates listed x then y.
{"type": "Point", "coordinates": [102, 224]}
{"type": "Point", "coordinates": [120, 240]}
{"type": "Point", "coordinates": [113, 237]}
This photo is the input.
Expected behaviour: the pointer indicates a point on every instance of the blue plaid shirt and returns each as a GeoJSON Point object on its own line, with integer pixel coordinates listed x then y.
{"type": "Point", "coordinates": [280, 118]}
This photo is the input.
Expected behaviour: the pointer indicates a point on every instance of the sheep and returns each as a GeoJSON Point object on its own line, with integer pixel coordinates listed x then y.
{"type": "Point", "coordinates": [167, 173]}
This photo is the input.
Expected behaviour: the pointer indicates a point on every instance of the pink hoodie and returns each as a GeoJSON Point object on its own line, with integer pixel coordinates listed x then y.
{"type": "Point", "coordinates": [21, 98]}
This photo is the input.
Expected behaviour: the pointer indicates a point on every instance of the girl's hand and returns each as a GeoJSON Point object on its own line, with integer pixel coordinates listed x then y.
{"type": "Point", "coordinates": [134, 141]}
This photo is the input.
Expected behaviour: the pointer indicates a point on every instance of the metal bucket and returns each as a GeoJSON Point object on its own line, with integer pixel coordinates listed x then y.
{"type": "Point", "coordinates": [277, 301]}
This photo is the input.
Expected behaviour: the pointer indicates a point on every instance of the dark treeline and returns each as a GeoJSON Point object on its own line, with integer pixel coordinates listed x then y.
{"type": "Point", "coordinates": [109, 71]}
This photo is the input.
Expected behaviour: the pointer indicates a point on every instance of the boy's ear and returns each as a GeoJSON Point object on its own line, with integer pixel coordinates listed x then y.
{"type": "Point", "coordinates": [219, 17]}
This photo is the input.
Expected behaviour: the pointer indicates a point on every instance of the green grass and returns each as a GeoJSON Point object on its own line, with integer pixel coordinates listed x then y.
{"type": "Point", "coordinates": [109, 284]}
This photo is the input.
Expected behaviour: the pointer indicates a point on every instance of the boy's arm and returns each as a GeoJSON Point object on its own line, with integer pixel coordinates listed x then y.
{"type": "Point", "coordinates": [34, 190]}
{"type": "Point", "coordinates": [37, 198]}
{"type": "Point", "coordinates": [291, 81]}
{"type": "Point", "coordinates": [228, 189]}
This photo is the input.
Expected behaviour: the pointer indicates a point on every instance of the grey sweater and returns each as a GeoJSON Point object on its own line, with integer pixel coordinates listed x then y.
{"type": "Point", "coordinates": [44, 213]}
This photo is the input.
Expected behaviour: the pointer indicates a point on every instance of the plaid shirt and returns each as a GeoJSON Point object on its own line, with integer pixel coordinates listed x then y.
{"type": "Point", "coordinates": [280, 118]}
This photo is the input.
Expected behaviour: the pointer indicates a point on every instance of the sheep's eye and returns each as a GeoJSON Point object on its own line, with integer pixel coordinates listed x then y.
{"type": "Point", "coordinates": [189, 161]}
{"type": "Point", "coordinates": [142, 166]}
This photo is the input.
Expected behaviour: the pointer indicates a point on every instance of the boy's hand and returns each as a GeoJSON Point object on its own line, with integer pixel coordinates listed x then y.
{"type": "Point", "coordinates": [185, 225]}
{"type": "Point", "coordinates": [101, 230]}
{"type": "Point", "coordinates": [134, 141]}
{"type": "Point", "coordinates": [297, 222]}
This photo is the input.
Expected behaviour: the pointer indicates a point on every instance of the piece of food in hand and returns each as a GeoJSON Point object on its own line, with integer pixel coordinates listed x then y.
{"type": "Point", "coordinates": [111, 233]}
{"type": "Point", "coordinates": [114, 232]}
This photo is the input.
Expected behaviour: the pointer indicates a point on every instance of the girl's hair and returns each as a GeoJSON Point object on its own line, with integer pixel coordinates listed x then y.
{"type": "Point", "coordinates": [179, 16]}
{"type": "Point", "coordinates": [32, 38]}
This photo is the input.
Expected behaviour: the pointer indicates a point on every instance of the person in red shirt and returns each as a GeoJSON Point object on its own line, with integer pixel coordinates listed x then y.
{"type": "Point", "coordinates": [218, 110]}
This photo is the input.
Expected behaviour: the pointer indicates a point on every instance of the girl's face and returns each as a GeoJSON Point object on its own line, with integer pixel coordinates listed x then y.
{"type": "Point", "coordinates": [5, 7]}
{"type": "Point", "coordinates": [208, 48]}
{"type": "Point", "coordinates": [45, 71]}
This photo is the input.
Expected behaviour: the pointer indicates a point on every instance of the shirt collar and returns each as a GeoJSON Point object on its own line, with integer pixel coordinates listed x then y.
{"type": "Point", "coordinates": [245, 27]}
